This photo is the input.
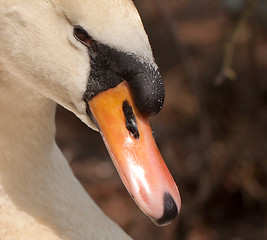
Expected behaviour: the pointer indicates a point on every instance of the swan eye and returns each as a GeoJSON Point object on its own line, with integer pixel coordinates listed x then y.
{"type": "Point", "coordinates": [82, 36]}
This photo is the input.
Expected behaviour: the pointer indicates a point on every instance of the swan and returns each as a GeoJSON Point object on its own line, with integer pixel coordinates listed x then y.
{"type": "Point", "coordinates": [92, 57]}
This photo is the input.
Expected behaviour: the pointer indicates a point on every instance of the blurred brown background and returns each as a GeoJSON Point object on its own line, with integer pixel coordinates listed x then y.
{"type": "Point", "coordinates": [212, 131]}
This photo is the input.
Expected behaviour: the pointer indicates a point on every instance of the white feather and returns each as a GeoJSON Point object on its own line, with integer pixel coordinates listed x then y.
{"type": "Point", "coordinates": [42, 64]}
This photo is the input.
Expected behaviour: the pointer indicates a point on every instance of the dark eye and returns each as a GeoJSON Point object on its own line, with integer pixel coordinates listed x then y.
{"type": "Point", "coordinates": [81, 35]}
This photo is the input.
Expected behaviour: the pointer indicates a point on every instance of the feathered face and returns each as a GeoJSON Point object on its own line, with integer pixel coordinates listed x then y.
{"type": "Point", "coordinates": [38, 44]}
{"type": "Point", "coordinates": [77, 53]}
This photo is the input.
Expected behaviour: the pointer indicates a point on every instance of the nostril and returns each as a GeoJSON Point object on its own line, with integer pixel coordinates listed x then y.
{"type": "Point", "coordinates": [170, 211]}
{"type": "Point", "coordinates": [130, 120]}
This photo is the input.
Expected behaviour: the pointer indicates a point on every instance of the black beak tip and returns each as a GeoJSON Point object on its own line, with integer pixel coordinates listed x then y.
{"type": "Point", "coordinates": [170, 211]}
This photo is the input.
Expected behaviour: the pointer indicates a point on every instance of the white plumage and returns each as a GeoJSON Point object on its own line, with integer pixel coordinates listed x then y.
{"type": "Point", "coordinates": [42, 64]}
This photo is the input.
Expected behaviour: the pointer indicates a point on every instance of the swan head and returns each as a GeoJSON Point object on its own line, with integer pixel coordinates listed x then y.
{"type": "Point", "coordinates": [74, 52]}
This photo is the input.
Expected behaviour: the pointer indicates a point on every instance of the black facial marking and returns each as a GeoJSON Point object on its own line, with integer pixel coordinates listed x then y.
{"type": "Point", "coordinates": [130, 120]}
{"type": "Point", "coordinates": [148, 89]}
{"type": "Point", "coordinates": [104, 72]}
{"type": "Point", "coordinates": [109, 67]}
{"type": "Point", "coordinates": [170, 210]}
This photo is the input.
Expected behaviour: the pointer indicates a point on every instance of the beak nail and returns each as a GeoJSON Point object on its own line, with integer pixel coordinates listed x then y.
{"type": "Point", "coordinates": [170, 211]}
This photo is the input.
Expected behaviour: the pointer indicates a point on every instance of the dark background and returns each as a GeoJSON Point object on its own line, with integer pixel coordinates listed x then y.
{"type": "Point", "coordinates": [212, 130]}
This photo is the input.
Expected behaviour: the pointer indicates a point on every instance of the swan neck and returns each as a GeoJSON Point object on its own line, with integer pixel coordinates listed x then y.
{"type": "Point", "coordinates": [27, 119]}
{"type": "Point", "coordinates": [39, 196]}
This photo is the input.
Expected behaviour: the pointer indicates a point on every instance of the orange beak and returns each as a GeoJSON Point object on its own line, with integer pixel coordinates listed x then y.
{"type": "Point", "coordinates": [128, 137]}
